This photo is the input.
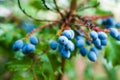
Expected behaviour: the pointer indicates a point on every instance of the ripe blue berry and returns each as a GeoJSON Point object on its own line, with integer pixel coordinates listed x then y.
{"type": "Point", "coordinates": [94, 50]}
{"type": "Point", "coordinates": [114, 32]}
{"type": "Point", "coordinates": [102, 35]}
{"type": "Point", "coordinates": [28, 48]}
{"type": "Point", "coordinates": [78, 37]}
{"type": "Point", "coordinates": [83, 51]}
{"type": "Point", "coordinates": [104, 42]}
{"type": "Point", "coordinates": [79, 43]}
{"type": "Point", "coordinates": [33, 40]}
{"type": "Point", "coordinates": [117, 25]}
{"type": "Point", "coordinates": [68, 33]}
{"type": "Point", "coordinates": [109, 22]}
{"type": "Point", "coordinates": [118, 37]}
{"type": "Point", "coordinates": [97, 42]}
{"type": "Point", "coordinates": [88, 42]}
{"type": "Point", "coordinates": [69, 46]}
{"type": "Point", "coordinates": [17, 45]}
{"type": "Point", "coordinates": [93, 34]}
{"type": "Point", "coordinates": [24, 48]}
{"type": "Point", "coordinates": [60, 47]}
{"type": "Point", "coordinates": [62, 40]}
{"type": "Point", "coordinates": [92, 56]}
{"type": "Point", "coordinates": [65, 53]}
{"type": "Point", "coordinates": [81, 32]}
{"type": "Point", "coordinates": [99, 47]}
{"type": "Point", "coordinates": [53, 45]}
{"type": "Point", "coordinates": [72, 34]}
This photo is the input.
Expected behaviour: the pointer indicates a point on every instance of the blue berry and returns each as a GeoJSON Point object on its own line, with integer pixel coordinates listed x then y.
{"type": "Point", "coordinates": [118, 37]}
{"type": "Point", "coordinates": [94, 50]}
{"type": "Point", "coordinates": [79, 43]}
{"type": "Point", "coordinates": [53, 45]}
{"type": "Point", "coordinates": [28, 48]}
{"type": "Point", "coordinates": [88, 42]}
{"type": "Point", "coordinates": [69, 46]}
{"type": "Point", "coordinates": [97, 42]}
{"type": "Point", "coordinates": [60, 47]}
{"type": "Point", "coordinates": [28, 26]}
{"type": "Point", "coordinates": [92, 56]}
{"type": "Point", "coordinates": [17, 45]}
{"type": "Point", "coordinates": [117, 25]}
{"type": "Point", "coordinates": [24, 48]}
{"type": "Point", "coordinates": [104, 42]}
{"type": "Point", "coordinates": [65, 53]}
{"type": "Point", "coordinates": [62, 40]}
{"type": "Point", "coordinates": [68, 33]}
{"type": "Point", "coordinates": [102, 35]}
{"type": "Point", "coordinates": [114, 32]}
{"type": "Point", "coordinates": [93, 34]}
{"type": "Point", "coordinates": [81, 32]}
{"type": "Point", "coordinates": [72, 34]}
{"type": "Point", "coordinates": [33, 40]}
{"type": "Point", "coordinates": [99, 47]}
{"type": "Point", "coordinates": [83, 51]}
{"type": "Point", "coordinates": [79, 37]}
{"type": "Point", "coordinates": [109, 22]}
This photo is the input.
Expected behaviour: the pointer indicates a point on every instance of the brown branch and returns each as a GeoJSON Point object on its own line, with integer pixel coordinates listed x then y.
{"type": "Point", "coordinates": [86, 34]}
{"type": "Point", "coordinates": [63, 65]}
{"type": "Point", "coordinates": [86, 22]}
{"type": "Point", "coordinates": [57, 8]}
{"type": "Point", "coordinates": [61, 29]}
{"type": "Point", "coordinates": [73, 7]}
{"type": "Point", "coordinates": [40, 28]}
{"type": "Point", "coordinates": [60, 75]}
{"type": "Point", "coordinates": [19, 4]}
{"type": "Point", "coordinates": [35, 59]}
{"type": "Point", "coordinates": [95, 17]}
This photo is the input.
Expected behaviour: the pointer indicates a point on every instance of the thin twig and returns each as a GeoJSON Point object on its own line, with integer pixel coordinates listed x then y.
{"type": "Point", "coordinates": [57, 8]}
{"type": "Point", "coordinates": [19, 4]}
{"type": "Point", "coordinates": [86, 35]}
{"type": "Point", "coordinates": [95, 17]}
{"type": "Point", "coordinates": [63, 65]}
{"type": "Point", "coordinates": [32, 65]}
{"type": "Point", "coordinates": [44, 2]}
{"type": "Point", "coordinates": [61, 29]}
{"type": "Point", "coordinates": [40, 28]}
{"type": "Point", "coordinates": [86, 22]}
{"type": "Point", "coordinates": [60, 75]}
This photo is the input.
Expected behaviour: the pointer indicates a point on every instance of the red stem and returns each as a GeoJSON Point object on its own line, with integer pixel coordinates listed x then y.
{"type": "Point", "coordinates": [95, 17]}
{"type": "Point", "coordinates": [101, 30]}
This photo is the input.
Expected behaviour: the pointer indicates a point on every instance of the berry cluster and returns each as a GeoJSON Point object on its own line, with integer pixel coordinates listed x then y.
{"type": "Point", "coordinates": [108, 23]}
{"type": "Point", "coordinates": [27, 47]}
{"type": "Point", "coordinates": [65, 45]}
{"type": "Point", "coordinates": [96, 38]}
{"type": "Point", "coordinates": [111, 24]}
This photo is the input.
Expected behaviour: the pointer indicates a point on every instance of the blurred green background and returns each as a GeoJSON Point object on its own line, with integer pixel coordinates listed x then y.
{"type": "Point", "coordinates": [15, 25]}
